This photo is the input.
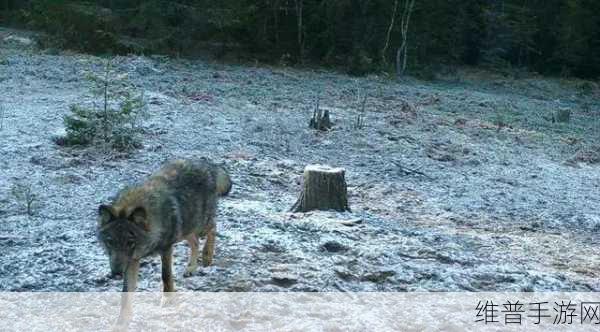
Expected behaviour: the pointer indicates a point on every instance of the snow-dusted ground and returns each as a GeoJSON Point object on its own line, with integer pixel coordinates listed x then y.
{"type": "Point", "coordinates": [490, 209]}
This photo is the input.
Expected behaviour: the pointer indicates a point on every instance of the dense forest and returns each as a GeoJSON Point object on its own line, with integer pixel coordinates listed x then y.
{"type": "Point", "coordinates": [552, 37]}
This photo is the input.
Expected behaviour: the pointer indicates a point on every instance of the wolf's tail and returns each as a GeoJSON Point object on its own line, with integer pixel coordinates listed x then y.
{"type": "Point", "coordinates": [223, 181]}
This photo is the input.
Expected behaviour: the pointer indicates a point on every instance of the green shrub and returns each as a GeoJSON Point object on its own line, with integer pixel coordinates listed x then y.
{"type": "Point", "coordinates": [114, 124]}
{"type": "Point", "coordinates": [114, 128]}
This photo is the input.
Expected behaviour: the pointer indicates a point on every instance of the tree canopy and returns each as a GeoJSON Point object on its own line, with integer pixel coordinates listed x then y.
{"type": "Point", "coordinates": [547, 36]}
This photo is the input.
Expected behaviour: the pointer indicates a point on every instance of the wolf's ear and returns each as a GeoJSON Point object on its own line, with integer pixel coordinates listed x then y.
{"type": "Point", "coordinates": [138, 216]}
{"type": "Point", "coordinates": [106, 214]}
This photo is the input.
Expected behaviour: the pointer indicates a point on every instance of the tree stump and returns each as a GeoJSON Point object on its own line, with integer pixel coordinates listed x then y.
{"type": "Point", "coordinates": [324, 189]}
{"type": "Point", "coordinates": [320, 120]}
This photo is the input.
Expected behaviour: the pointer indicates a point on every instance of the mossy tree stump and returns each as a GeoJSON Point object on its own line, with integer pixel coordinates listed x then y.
{"type": "Point", "coordinates": [324, 189]}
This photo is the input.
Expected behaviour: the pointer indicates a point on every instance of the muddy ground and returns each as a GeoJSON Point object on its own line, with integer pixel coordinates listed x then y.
{"type": "Point", "coordinates": [464, 183]}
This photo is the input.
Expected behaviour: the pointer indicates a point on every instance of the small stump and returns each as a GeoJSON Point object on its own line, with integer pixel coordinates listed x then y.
{"type": "Point", "coordinates": [320, 120]}
{"type": "Point", "coordinates": [324, 189]}
{"type": "Point", "coordinates": [562, 115]}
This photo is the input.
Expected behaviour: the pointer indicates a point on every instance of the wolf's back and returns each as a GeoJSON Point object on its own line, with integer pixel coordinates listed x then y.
{"type": "Point", "coordinates": [202, 171]}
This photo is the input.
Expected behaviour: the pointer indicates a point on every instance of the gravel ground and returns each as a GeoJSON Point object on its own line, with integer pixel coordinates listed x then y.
{"type": "Point", "coordinates": [462, 184]}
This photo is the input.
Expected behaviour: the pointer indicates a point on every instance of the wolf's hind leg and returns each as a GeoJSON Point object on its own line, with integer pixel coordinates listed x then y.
{"type": "Point", "coordinates": [167, 272]}
{"type": "Point", "coordinates": [192, 240]}
{"type": "Point", "coordinates": [209, 247]}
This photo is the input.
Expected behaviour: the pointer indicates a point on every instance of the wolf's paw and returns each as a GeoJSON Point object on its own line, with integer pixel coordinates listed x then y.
{"type": "Point", "coordinates": [190, 270]}
{"type": "Point", "coordinates": [206, 261]}
{"type": "Point", "coordinates": [120, 326]}
{"type": "Point", "coordinates": [168, 299]}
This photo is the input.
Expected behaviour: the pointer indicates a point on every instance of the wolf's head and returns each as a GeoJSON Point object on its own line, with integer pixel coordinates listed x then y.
{"type": "Point", "coordinates": [120, 233]}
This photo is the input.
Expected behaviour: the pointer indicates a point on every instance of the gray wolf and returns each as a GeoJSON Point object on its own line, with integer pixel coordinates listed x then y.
{"type": "Point", "coordinates": [178, 202]}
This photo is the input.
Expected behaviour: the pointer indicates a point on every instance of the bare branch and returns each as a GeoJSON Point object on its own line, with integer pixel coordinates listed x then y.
{"type": "Point", "coordinates": [389, 33]}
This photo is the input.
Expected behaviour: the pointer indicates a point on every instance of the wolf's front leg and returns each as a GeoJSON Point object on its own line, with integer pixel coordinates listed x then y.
{"type": "Point", "coordinates": [209, 247]}
{"type": "Point", "coordinates": [129, 286]}
{"type": "Point", "coordinates": [167, 272]}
